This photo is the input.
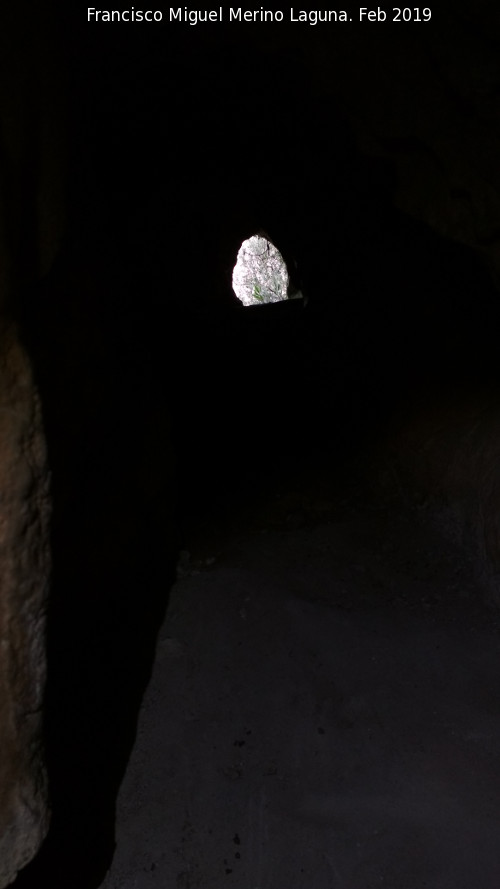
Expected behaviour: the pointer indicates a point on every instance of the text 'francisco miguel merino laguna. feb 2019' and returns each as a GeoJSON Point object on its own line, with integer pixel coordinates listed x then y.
{"type": "Point", "coordinates": [186, 15]}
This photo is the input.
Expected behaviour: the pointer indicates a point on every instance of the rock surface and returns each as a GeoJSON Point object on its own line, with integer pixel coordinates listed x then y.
{"type": "Point", "coordinates": [31, 224]}
{"type": "Point", "coordinates": [24, 571]}
{"type": "Point", "coordinates": [321, 712]}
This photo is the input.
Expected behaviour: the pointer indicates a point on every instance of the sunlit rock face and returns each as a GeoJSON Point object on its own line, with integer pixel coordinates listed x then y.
{"type": "Point", "coordinates": [260, 274]}
{"type": "Point", "coordinates": [24, 571]}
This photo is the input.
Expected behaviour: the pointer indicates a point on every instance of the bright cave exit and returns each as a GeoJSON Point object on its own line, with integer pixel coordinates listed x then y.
{"type": "Point", "coordinates": [260, 274]}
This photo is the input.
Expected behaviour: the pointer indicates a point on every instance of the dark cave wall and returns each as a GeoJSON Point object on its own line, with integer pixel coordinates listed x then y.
{"type": "Point", "coordinates": [24, 567]}
{"type": "Point", "coordinates": [370, 161]}
{"type": "Point", "coordinates": [31, 214]}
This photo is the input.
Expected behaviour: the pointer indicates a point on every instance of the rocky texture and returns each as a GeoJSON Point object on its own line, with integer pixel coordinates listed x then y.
{"type": "Point", "coordinates": [31, 225]}
{"type": "Point", "coordinates": [24, 570]}
{"type": "Point", "coordinates": [322, 710]}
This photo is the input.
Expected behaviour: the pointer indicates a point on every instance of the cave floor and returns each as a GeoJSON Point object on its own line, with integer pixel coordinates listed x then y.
{"type": "Point", "coordinates": [323, 710]}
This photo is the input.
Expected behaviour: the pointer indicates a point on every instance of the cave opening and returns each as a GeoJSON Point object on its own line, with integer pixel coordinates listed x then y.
{"type": "Point", "coordinates": [260, 275]}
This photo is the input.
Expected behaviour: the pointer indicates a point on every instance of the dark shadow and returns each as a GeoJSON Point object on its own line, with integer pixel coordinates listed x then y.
{"type": "Point", "coordinates": [114, 551]}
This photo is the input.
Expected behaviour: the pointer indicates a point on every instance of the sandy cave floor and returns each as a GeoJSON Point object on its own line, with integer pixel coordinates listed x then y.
{"type": "Point", "coordinates": [324, 711]}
